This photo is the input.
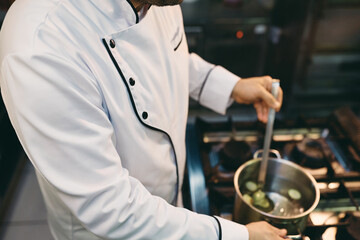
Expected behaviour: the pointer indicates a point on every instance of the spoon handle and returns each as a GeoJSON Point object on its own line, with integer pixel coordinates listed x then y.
{"type": "Point", "coordinates": [268, 136]}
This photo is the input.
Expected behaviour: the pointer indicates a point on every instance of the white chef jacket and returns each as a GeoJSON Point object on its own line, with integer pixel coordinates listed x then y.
{"type": "Point", "coordinates": [98, 99]}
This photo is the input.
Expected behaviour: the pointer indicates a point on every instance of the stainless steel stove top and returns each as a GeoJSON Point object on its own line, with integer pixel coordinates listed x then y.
{"type": "Point", "coordinates": [217, 149]}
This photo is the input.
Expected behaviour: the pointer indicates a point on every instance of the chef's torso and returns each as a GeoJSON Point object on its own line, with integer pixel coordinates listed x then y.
{"type": "Point", "coordinates": [141, 72]}
{"type": "Point", "coordinates": [149, 65]}
{"type": "Point", "coordinates": [98, 97]}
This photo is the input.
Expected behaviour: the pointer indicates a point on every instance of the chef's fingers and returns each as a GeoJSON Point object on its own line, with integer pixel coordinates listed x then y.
{"type": "Point", "coordinates": [265, 111]}
{"type": "Point", "coordinates": [269, 99]}
{"type": "Point", "coordinates": [267, 82]}
{"type": "Point", "coordinates": [280, 232]}
{"type": "Point", "coordinates": [259, 111]}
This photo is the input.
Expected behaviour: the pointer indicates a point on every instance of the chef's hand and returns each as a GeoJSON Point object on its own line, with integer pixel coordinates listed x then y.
{"type": "Point", "coordinates": [257, 91]}
{"type": "Point", "coordinates": [264, 231]}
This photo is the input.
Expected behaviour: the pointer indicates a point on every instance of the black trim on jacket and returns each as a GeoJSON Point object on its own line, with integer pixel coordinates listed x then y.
{"type": "Point", "coordinates": [143, 123]}
{"type": "Point", "coordinates": [220, 230]}
{"type": "Point", "coordinates": [178, 45]}
{"type": "Point", "coordinates": [134, 9]}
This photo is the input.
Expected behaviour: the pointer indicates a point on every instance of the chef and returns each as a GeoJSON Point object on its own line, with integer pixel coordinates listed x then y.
{"type": "Point", "coordinates": [97, 91]}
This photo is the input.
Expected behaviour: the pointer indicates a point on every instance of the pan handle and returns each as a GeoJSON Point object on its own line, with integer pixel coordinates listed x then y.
{"type": "Point", "coordinates": [299, 236]}
{"type": "Point", "coordinates": [273, 151]}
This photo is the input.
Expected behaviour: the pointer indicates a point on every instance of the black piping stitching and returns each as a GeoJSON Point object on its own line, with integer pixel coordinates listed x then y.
{"type": "Point", "coordinates": [220, 231]}
{"type": "Point", "coordinates": [134, 9]}
{"type": "Point", "coordinates": [182, 35]}
{"type": "Point", "coordinates": [202, 86]}
{"type": "Point", "coordinates": [146, 125]}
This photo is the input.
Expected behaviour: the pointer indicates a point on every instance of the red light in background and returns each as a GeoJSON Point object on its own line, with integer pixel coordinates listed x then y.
{"type": "Point", "coordinates": [239, 34]}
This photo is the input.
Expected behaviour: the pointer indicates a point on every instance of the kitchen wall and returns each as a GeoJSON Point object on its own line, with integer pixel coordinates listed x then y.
{"type": "Point", "coordinates": [312, 46]}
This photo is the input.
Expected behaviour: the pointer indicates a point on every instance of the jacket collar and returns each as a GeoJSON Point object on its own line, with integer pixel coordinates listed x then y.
{"type": "Point", "coordinates": [122, 12]}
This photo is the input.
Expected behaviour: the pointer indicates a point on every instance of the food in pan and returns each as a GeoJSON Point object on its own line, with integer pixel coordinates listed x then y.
{"type": "Point", "coordinates": [256, 197]}
{"type": "Point", "coordinates": [263, 201]}
{"type": "Point", "coordinates": [294, 194]}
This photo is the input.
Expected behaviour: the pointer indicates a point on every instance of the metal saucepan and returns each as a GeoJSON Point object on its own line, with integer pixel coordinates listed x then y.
{"type": "Point", "coordinates": [281, 176]}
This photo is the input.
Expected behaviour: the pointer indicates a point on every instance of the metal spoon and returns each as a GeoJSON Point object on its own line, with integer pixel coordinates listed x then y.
{"type": "Point", "coordinates": [268, 136]}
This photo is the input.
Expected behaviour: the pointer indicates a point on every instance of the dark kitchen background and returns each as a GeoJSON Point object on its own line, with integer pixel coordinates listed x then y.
{"type": "Point", "coordinates": [312, 46]}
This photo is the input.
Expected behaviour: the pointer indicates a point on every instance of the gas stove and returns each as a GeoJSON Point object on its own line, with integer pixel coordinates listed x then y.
{"type": "Point", "coordinates": [328, 148]}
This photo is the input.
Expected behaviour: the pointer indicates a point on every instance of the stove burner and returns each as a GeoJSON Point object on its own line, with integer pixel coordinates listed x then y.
{"type": "Point", "coordinates": [327, 149]}
{"type": "Point", "coordinates": [234, 153]}
{"type": "Point", "coordinates": [352, 231]}
{"type": "Point", "coordinates": [309, 153]}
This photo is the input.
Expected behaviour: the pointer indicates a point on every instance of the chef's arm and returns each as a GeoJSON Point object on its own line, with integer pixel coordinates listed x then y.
{"type": "Point", "coordinates": [215, 87]}
{"type": "Point", "coordinates": [59, 117]}
{"type": "Point", "coordinates": [210, 85]}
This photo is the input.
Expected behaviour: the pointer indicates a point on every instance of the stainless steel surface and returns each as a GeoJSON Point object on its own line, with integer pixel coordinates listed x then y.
{"type": "Point", "coordinates": [281, 175]}
{"type": "Point", "coordinates": [297, 237]}
{"type": "Point", "coordinates": [252, 136]}
{"type": "Point", "coordinates": [268, 136]}
{"type": "Point", "coordinates": [338, 182]}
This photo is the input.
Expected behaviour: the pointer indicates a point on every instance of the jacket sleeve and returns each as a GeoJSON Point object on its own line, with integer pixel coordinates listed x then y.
{"type": "Point", "coordinates": [57, 111]}
{"type": "Point", "coordinates": [210, 85]}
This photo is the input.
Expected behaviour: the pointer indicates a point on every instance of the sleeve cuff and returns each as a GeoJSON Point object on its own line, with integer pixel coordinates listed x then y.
{"type": "Point", "coordinates": [219, 232]}
{"type": "Point", "coordinates": [229, 230]}
{"type": "Point", "coordinates": [217, 89]}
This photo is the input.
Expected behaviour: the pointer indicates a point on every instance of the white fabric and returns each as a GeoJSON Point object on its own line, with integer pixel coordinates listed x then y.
{"type": "Point", "coordinates": [211, 92]}
{"type": "Point", "coordinates": [232, 230]}
{"type": "Point", "coordinates": [104, 170]}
